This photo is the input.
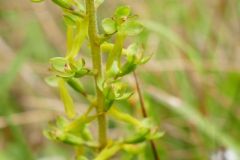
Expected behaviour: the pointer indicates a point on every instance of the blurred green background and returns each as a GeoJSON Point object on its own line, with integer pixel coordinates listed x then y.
{"type": "Point", "coordinates": [191, 85]}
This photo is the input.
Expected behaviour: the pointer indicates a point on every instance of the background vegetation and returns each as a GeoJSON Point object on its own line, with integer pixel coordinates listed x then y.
{"type": "Point", "coordinates": [191, 85]}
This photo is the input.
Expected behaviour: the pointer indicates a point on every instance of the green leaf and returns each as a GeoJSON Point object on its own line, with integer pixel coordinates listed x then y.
{"type": "Point", "coordinates": [81, 7]}
{"type": "Point", "coordinates": [67, 99]}
{"type": "Point", "coordinates": [60, 66]}
{"type": "Point", "coordinates": [122, 12]}
{"type": "Point", "coordinates": [115, 91]}
{"type": "Point", "coordinates": [98, 3]}
{"type": "Point", "coordinates": [78, 124]}
{"type": "Point", "coordinates": [100, 83]}
{"type": "Point", "coordinates": [124, 96]}
{"type": "Point", "coordinates": [63, 3]}
{"type": "Point", "coordinates": [134, 54]}
{"type": "Point", "coordinates": [155, 135]}
{"type": "Point", "coordinates": [139, 137]}
{"type": "Point", "coordinates": [134, 148]}
{"type": "Point", "coordinates": [109, 25]}
{"type": "Point", "coordinates": [148, 123]}
{"type": "Point", "coordinates": [131, 28]}
{"type": "Point", "coordinates": [66, 74]}
{"type": "Point", "coordinates": [71, 19]}
{"type": "Point", "coordinates": [61, 122]}
{"type": "Point", "coordinates": [77, 65]}
{"type": "Point", "coordinates": [52, 81]}
{"type": "Point", "coordinates": [58, 134]}
{"type": "Point", "coordinates": [108, 91]}
{"type": "Point", "coordinates": [82, 72]}
{"type": "Point", "coordinates": [108, 152]}
{"type": "Point", "coordinates": [118, 88]}
{"type": "Point", "coordinates": [145, 59]}
{"type": "Point", "coordinates": [132, 51]}
{"type": "Point", "coordinates": [59, 63]}
{"type": "Point", "coordinates": [82, 31]}
{"type": "Point", "coordinates": [116, 52]}
{"type": "Point", "coordinates": [113, 70]}
{"type": "Point", "coordinates": [117, 114]}
{"type": "Point", "coordinates": [108, 104]}
{"type": "Point", "coordinates": [132, 48]}
{"type": "Point", "coordinates": [127, 68]}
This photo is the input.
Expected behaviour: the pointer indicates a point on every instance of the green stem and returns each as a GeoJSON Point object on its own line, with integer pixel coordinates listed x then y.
{"type": "Point", "coordinates": [97, 65]}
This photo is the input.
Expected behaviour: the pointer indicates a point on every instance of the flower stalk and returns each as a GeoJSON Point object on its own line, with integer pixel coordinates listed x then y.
{"type": "Point", "coordinates": [97, 66]}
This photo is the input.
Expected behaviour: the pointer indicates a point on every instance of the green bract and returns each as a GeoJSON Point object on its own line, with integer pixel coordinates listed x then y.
{"type": "Point", "coordinates": [131, 28]}
{"type": "Point", "coordinates": [67, 99]}
{"type": "Point", "coordinates": [63, 3]}
{"type": "Point", "coordinates": [113, 91]}
{"type": "Point", "coordinates": [132, 51]}
{"type": "Point", "coordinates": [108, 151]}
{"type": "Point", "coordinates": [59, 64]}
{"type": "Point", "coordinates": [123, 22]}
{"type": "Point", "coordinates": [98, 3]}
{"type": "Point", "coordinates": [109, 25]}
{"type": "Point", "coordinates": [67, 68]}
{"type": "Point", "coordinates": [133, 148]}
{"type": "Point", "coordinates": [52, 81]}
{"type": "Point", "coordinates": [114, 70]}
{"type": "Point", "coordinates": [71, 19]}
{"type": "Point", "coordinates": [139, 137]}
{"type": "Point", "coordinates": [122, 12]}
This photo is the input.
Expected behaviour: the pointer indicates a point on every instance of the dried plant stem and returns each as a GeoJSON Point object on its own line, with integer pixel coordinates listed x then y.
{"type": "Point", "coordinates": [97, 66]}
{"type": "Point", "coordinates": [145, 115]}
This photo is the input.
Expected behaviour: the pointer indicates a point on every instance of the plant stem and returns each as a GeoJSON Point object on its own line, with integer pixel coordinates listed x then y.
{"type": "Point", "coordinates": [145, 115]}
{"type": "Point", "coordinates": [97, 65]}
